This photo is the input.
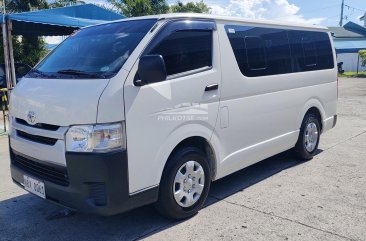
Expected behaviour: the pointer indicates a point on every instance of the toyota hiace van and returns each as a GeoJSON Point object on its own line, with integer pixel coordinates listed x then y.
{"type": "Point", "coordinates": [153, 109]}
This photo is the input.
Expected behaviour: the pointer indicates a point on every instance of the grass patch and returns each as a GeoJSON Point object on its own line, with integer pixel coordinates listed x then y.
{"type": "Point", "coordinates": [353, 75]}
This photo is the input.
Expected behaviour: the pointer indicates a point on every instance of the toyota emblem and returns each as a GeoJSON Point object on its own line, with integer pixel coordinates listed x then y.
{"type": "Point", "coordinates": [31, 117]}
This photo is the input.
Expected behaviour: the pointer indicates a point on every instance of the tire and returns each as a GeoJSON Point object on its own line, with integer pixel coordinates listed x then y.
{"type": "Point", "coordinates": [308, 141]}
{"type": "Point", "coordinates": [167, 204]}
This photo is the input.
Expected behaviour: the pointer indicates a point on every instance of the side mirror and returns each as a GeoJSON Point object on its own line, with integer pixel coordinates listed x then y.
{"type": "Point", "coordinates": [151, 70]}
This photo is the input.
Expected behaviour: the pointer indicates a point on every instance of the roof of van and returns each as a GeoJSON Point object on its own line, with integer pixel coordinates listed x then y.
{"type": "Point", "coordinates": [229, 19]}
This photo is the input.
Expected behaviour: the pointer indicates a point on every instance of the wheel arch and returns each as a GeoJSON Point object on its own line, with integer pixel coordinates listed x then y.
{"type": "Point", "coordinates": [195, 138]}
{"type": "Point", "coordinates": [316, 112]}
{"type": "Point", "coordinates": [313, 106]}
{"type": "Point", "coordinates": [202, 144]}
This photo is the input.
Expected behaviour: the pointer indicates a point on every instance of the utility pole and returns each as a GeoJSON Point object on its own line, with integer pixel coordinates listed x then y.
{"type": "Point", "coordinates": [6, 48]}
{"type": "Point", "coordinates": [341, 20]}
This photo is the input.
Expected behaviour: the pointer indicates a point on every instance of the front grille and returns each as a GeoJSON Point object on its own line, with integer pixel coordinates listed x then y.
{"type": "Point", "coordinates": [38, 139]}
{"type": "Point", "coordinates": [38, 125]}
{"type": "Point", "coordinates": [50, 173]}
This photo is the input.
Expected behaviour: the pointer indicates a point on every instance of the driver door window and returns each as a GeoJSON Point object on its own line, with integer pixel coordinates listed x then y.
{"type": "Point", "coordinates": [185, 51]}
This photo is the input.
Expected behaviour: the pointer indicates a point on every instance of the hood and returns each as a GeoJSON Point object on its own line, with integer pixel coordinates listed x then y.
{"type": "Point", "coordinates": [61, 102]}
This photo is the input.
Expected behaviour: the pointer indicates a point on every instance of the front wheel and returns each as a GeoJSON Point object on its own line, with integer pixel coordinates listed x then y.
{"type": "Point", "coordinates": [309, 137]}
{"type": "Point", "coordinates": [185, 184]}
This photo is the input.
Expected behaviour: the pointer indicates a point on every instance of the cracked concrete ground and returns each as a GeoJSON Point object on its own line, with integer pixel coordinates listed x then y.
{"type": "Point", "coordinates": [279, 198]}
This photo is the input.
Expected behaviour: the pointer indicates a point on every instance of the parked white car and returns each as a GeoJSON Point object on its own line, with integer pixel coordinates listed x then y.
{"type": "Point", "coordinates": [153, 109]}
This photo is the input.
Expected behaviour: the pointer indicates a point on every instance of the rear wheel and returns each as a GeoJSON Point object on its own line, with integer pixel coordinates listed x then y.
{"type": "Point", "coordinates": [309, 137]}
{"type": "Point", "coordinates": [185, 184]}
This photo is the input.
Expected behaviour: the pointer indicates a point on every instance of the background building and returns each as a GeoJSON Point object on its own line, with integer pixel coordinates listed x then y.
{"type": "Point", "coordinates": [348, 40]}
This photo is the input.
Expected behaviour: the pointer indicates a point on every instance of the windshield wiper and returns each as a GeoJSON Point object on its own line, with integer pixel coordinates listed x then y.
{"type": "Point", "coordinates": [40, 74]}
{"type": "Point", "coordinates": [81, 73]}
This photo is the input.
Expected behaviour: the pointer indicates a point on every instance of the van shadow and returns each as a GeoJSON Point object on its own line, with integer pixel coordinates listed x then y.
{"type": "Point", "coordinates": [27, 217]}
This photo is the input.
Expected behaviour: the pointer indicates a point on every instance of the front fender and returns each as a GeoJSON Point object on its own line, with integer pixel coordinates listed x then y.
{"type": "Point", "coordinates": [179, 135]}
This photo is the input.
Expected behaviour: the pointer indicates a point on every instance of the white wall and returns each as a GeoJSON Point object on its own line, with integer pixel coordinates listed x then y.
{"type": "Point", "coordinates": [350, 62]}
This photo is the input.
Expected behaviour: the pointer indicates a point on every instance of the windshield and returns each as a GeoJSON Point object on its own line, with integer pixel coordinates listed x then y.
{"type": "Point", "coordinates": [95, 52]}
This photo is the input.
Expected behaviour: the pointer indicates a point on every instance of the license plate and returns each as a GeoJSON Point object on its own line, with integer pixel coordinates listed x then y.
{"type": "Point", "coordinates": [34, 186]}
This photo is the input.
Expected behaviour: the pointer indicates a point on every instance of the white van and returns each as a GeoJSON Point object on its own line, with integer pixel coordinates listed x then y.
{"type": "Point", "coordinates": [153, 109]}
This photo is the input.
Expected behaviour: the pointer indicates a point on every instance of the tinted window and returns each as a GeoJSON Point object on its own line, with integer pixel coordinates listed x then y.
{"type": "Point", "coordinates": [260, 51]}
{"type": "Point", "coordinates": [278, 51]}
{"type": "Point", "coordinates": [324, 51]}
{"type": "Point", "coordinates": [268, 51]}
{"type": "Point", "coordinates": [256, 54]}
{"type": "Point", "coordinates": [309, 49]}
{"type": "Point", "coordinates": [185, 50]}
{"type": "Point", "coordinates": [99, 50]}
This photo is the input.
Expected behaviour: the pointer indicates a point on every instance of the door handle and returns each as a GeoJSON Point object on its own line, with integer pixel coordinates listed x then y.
{"type": "Point", "coordinates": [212, 87]}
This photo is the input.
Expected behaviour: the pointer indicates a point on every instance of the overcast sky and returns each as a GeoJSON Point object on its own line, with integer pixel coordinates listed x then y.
{"type": "Point", "coordinates": [321, 12]}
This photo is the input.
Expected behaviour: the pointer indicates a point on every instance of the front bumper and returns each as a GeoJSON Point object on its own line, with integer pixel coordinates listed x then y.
{"type": "Point", "coordinates": [96, 183]}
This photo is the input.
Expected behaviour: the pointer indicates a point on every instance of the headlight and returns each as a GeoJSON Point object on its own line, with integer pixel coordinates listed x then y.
{"type": "Point", "coordinates": [95, 138]}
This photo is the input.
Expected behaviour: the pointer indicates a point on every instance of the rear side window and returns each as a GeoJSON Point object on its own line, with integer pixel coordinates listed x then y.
{"type": "Point", "coordinates": [269, 51]}
{"type": "Point", "coordinates": [310, 50]}
{"type": "Point", "coordinates": [185, 51]}
{"type": "Point", "coordinates": [324, 51]}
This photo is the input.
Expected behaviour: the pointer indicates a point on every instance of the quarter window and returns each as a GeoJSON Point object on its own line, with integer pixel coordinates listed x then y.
{"type": "Point", "coordinates": [185, 51]}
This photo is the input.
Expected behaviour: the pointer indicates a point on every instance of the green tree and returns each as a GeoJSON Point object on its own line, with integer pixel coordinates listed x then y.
{"type": "Point", "coordinates": [362, 54]}
{"type": "Point", "coordinates": [13, 6]}
{"type": "Point", "coordinates": [31, 55]}
{"type": "Point", "coordinates": [135, 8]}
{"type": "Point", "coordinates": [159, 7]}
{"type": "Point", "coordinates": [191, 7]}
{"type": "Point", "coordinates": [27, 49]}
{"type": "Point", "coordinates": [65, 3]}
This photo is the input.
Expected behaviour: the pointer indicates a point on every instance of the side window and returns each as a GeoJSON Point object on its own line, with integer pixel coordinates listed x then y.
{"type": "Point", "coordinates": [256, 53]}
{"type": "Point", "coordinates": [185, 50]}
{"type": "Point", "coordinates": [270, 51]}
{"type": "Point", "coordinates": [324, 50]}
{"type": "Point", "coordinates": [260, 51]}
{"type": "Point", "coordinates": [310, 50]}
{"type": "Point", "coordinates": [297, 52]}
{"type": "Point", "coordinates": [278, 51]}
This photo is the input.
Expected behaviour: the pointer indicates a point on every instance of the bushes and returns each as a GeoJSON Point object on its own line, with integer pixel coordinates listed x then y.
{"type": "Point", "coordinates": [353, 75]}
{"type": "Point", "coordinates": [362, 54]}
